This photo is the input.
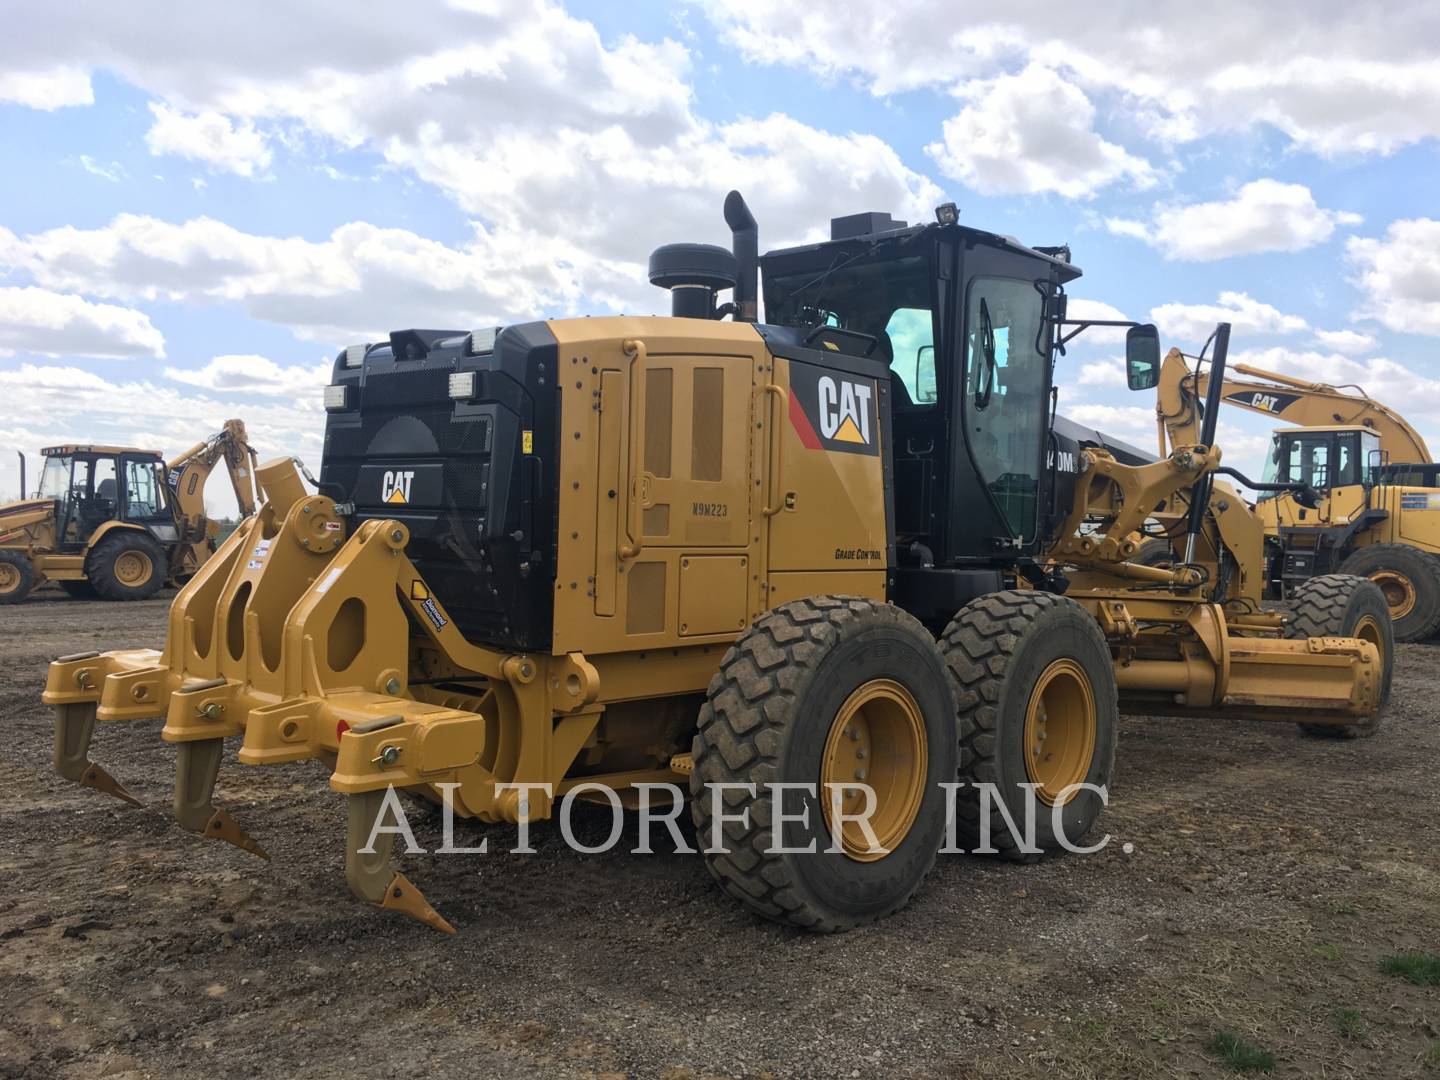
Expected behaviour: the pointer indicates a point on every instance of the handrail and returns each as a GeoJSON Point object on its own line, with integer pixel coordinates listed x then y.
{"type": "Point", "coordinates": [635, 349]}
{"type": "Point", "coordinates": [776, 456]}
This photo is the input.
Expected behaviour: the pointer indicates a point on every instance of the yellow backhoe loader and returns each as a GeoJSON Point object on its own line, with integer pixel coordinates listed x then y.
{"type": "Point", "coordinates": [116, 522]}
{"type": "Point", "coordinates": [1373, 504]}
{"type": "Point", "coordinates": [611, 556]}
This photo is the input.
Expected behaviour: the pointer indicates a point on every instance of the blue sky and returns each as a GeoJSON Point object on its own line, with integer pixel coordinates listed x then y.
{"type": "Point", "coordinates": [208, 203]}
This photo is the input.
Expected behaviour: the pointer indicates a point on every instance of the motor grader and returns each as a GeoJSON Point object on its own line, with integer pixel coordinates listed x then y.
{"type": "Point", "coordinates": [622, 554]}
{"type": "Point", "coordinates": [116, 522]}
{"type": "Point", "coordinates": [1351, 490]}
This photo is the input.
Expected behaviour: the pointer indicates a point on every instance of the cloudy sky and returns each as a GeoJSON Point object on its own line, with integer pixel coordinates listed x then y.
{"type": "Point", "coordinates": [201, 204]}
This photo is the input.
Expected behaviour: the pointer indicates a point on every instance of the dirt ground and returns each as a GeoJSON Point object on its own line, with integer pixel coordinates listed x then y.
{"type": "Point", "coordinates": [1254, 879]}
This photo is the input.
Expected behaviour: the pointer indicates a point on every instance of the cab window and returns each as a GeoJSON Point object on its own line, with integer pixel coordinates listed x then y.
{"type": "Point", "coordinates": [1005, 404]}
{"type": "Point", "coordinates": [911, 337]}
{"type": "Point", "coordinates": [143, 498]}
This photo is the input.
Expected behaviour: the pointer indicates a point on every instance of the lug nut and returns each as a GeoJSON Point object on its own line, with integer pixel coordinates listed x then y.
{"type": "Point", "coordinates": [392, 686]}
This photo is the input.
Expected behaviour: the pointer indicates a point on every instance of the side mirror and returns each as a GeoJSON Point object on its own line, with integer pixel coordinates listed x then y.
{"type": "Point", "coordinates": [1142, 357]}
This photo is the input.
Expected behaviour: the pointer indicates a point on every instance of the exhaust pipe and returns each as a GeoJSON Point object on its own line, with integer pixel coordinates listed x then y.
{"type": "Point", "coordinates": [745, 244]}
{"type": "Point", "coordinates": [24, 488]}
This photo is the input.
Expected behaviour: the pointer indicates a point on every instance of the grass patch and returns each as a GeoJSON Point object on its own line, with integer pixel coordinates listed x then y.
{"type": "Point", "coordinates": [1420, 968]}
{"type": "Point", "coordinates": [1328, 951]}
{"type": "Point", "coordinates": [1240, 1054]}
{"type": "Point", "coordinates": [1350, 1024]}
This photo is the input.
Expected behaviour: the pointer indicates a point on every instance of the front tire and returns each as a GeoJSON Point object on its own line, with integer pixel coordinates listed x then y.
{"type": "Point", "coordinates": [1409, 579]}
{"type": "Point", "coordinates": [823, 691]}
{"type": "Point", "coordinates": [17, 576]}
{"type": "Point", "coordinates": [1341, 605]}
{"type": "Point", "coordinates": [1038, 706]}
{"type": "Point", "coordinates": [126, 565]}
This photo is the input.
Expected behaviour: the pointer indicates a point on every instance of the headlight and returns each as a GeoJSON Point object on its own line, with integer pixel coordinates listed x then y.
{"type": "Point", "coordinates": [355, 355]}
{"type": "Point", "coordinates": [481, 341]}
{"type": "Point", "coordinates": [462, 385]}
{"type": "Point", "coordinates": [337, 397]}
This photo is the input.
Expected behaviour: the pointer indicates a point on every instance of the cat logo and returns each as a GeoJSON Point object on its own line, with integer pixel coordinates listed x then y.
{"type": "Point", "coordinates": [1264, 401]}
{"type": "Point", "coordinates": [844, 410]}
{"type": "Point", "coordinates": [834, 410]}
{"type": "Point", "coordinates": [395, 485]}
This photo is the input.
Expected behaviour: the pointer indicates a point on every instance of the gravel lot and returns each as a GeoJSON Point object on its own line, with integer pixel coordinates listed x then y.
{"type": "Point", "coordinates": [1254, 880]}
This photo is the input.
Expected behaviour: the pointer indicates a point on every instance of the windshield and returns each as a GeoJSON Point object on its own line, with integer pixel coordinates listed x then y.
{"type": "Point", "coordinates": [1299, 459]}
{"type": "Point", "coordinates": [143, 490]}
{"type": "Point", "coordinates": [55, 479]}
{"type": "Point", "coordinates": [876, 291]}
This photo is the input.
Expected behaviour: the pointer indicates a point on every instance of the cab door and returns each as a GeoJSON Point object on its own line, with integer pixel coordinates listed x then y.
{"type": "Point", "coordinates": [1002, 407]}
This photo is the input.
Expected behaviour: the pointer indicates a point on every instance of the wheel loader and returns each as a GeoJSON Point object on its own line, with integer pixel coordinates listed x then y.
{"type": "Point", "coordinates": [116, 522]}
{"type": "Point", "coordinates": [1351, 490]}
{"type": "Point", "coordinates": [645, 558]}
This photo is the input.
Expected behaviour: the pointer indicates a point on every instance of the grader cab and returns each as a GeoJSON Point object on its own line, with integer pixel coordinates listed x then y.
{"type": "Point", "coordinates": [617, 556]}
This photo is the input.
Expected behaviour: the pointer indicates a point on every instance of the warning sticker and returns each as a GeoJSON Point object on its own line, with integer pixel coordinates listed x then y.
{"type": "Point", "coordinates": [527, 442]}
{"type": "Point", "coordinates": [254, 564]}
{"type": "Point", "coordinates": [432, 612]}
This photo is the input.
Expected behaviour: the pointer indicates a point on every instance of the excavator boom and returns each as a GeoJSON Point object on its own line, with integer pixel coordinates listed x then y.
{"type": "Point", "coordinates": [1294, 401]}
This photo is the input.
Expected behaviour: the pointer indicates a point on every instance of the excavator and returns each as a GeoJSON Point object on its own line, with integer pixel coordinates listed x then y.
{"type": "Point", "coordinates": [697, 558]}
{"type": "Point", "coordinates": [1350, 489]}
{"type": "Point", "coordinates": [117, 522]}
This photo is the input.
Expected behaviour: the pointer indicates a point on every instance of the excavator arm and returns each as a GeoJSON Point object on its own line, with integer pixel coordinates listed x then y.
{"type": "Point", "coordinates": [189, 472]}
{"type": "Point", "coordinates": [1293, 401]}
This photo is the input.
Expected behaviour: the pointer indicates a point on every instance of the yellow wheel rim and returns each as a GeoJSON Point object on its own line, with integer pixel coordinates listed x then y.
{"type": "Point", "coordinates": [1368, 630]}
{"type": "Point", "coordinates": [878, 739]}
{"type": "Point", "coordinates": [9, 578]}
{"type": "Point", "coordinates": [1059, 730]}
{"type": "Point", "coordinates": [133, 568]}
{"type": "Point", "coordinates": [1399, 592]}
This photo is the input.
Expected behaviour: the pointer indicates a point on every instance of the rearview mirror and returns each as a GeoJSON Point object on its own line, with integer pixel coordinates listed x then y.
{"type": "Point", "coordinates": [1142, 357]}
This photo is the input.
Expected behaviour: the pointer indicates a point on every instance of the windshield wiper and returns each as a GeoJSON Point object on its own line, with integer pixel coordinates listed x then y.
{"type": "Point", "coordinates": [985, 385]}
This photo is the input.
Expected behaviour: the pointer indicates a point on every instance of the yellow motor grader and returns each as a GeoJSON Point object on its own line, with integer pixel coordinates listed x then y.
{"type": "Point", "coordinates": [612, 556]}
{"type": "Point", "coordinates": [116, 522]}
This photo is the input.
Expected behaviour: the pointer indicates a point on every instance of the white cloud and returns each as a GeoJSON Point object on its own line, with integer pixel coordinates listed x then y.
{"type": "Point", "coordinates": [1337, 78]}
{"type": "Point", "coordinates": [51, 89]}
{"type": "Point", "coordinates": [1119, 420]}
{"type": "Point", "coordinates": [254, 375]}
{"type": "Point", "coordinates": [114, 172]}
{"type": "Point", "coordinates": [51, 323]}
{"type": "Point", "coordinates": [1349, 342]}
{"type": "Point", "coordinates": [1265, 215]}
{"type": "Point", "coordinates": [1109, 372]}
{"type": "Point", "coordinates": [208, 137]}
{"type": "Point", "coordinates": [1400, 275]}
{"type": "Point", "coordinates": [1029, 133]}
{"type": "Point", "coordinates": [61, 404]}
{"type": "Point", "coordinates": [1191, 324]}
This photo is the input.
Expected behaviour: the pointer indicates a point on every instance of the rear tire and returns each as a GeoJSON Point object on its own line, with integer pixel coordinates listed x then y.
{"type": "Point", "coordinates": [815, 689]}
{"type": "Point", "coordinates": [1409, 580]}
{"type": "Point", "coordinates": [1154, 553]}
{"type": "Point", "coordinates": [17, 576]}
{"type": "Point", "coordinates": [1030, 666]}
{"type": "Point", "coordinates": [126, 565]}
{"type": "Point", "coordinates": [1342, 605]}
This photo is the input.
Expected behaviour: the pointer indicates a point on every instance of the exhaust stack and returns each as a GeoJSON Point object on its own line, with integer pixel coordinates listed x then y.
{"type": "Point", "coordinates": [744, 242]}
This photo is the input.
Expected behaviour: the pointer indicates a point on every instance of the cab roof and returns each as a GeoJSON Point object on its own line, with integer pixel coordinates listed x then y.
{"type": "Point", "coordinates": [1316, 429]}
{"type": "Point", "coordinates": [92, 448]}
{"type": "Point", "coordinates": [843, 232]}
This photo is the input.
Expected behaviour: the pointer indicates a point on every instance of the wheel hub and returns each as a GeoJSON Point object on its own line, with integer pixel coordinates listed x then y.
{"type": "Point", "coordinates": [1399, 592]}
{"type": "Point", "coordinates": [9, 578]}
{"type": "Point", "coordinates": [1059, 736]}
{"type": "Point", "coordinates": [877, 739]}
{"type": "Point", "coordinates": [133, 568]}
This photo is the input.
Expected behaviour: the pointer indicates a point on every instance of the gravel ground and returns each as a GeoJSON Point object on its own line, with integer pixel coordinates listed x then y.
{"type": "Point", "coordinates": [1254, 880]}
